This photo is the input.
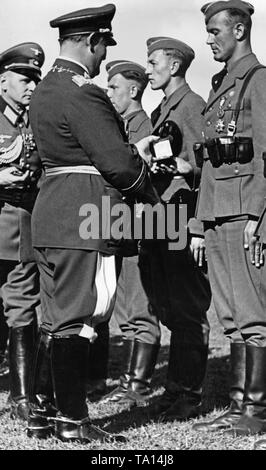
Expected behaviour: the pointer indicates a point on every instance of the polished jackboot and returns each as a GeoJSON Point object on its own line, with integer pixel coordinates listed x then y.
{"type": "Point", "coordinates": [253, 419]}
{"type": "Point", "coordinates": [98, 363]}
{"type": "Point", "coordinates": [69, 371]}
{"type": "Point", "coordinates": [142, 366]}
{"type": "Point", "coordinates": [42, 403]}
{"type": "Point", "coordinates": [186, 371]}
{"type": "Point", "coordinates": [237, 379]}
{"type": "Point", "coordinates": [119, 392]}
{"type": "Point", "coordinates": [21, 346]}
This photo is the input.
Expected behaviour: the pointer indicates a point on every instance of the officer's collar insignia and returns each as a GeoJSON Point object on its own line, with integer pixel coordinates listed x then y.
{"type": "Point", "coordinates": [11, 115]}
{"type": "Point", "coordinates": [81, 80]}
{"type": "Point", "coordinates": [15, 117]}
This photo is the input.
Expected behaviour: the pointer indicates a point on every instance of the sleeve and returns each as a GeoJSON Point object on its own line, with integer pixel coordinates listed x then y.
{"type": "Point", "coordinates": [258, 122]}
{"type": "Point", "coordinates": [193, 126]}
{"type": "Point", "coordinates": [92, 121]}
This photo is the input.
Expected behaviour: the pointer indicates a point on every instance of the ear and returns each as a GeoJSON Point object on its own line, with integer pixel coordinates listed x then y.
{"type": "Point", "coordinates": [92, 40]}
{"type": "Point", "coordinates": [133, 91]}
{"type": "Point", "coordinates": [239, 31]}
{"type": "Point", "coordinates": [174, 67]}
{"type": "Point", "coordinates": [3, 81]}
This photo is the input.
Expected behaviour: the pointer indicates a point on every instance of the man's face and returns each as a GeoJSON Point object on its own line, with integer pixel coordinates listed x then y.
{"type": "Point", "coordinates": [99, 55]}
{"type": "Point", "coordinates": [159, 70]}
{"type": "Point", "coordinates": [17, 89]}
{"type": "Point", "coordinates": [221, 37]}
{"type": "Point", "coordinates": [119, 92]}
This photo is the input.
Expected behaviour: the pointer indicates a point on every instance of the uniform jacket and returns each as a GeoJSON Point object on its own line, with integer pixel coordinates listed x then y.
{"type": "Point", "coordinates": [74, 123]}
{"type": "Point", "coordinates": [139, 126]}
{"type": "Point", "coordinates": [15, 222]}
{"type": "Point", "coordinates": [184, 107]}
{"type": "Point", "coordinates": [237, 189]}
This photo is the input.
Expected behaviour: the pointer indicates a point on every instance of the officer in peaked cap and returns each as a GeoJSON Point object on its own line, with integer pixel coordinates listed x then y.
{"type": "Point", "coordinates": [20, 71]}
{"type": "Point", "coordinates": [230, 202]}
{"type": "Point", "coordinates": [85, 157]}
{"type": "Point", "coordinates": [87, 21]}
{"type": "Point", "coordinates": [26, 59]}
{"type": "Point", "coordinates": [182, 310]}
{"type": "Point", "coordinates": [127, 81]}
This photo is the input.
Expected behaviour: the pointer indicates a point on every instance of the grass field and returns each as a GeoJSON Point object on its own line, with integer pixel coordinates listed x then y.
{"type": "Point", "coordinates": [142, 433]}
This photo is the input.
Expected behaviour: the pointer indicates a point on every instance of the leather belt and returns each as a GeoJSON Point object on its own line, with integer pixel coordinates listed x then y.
{"type": "Point", "coordinates": [60, 170]}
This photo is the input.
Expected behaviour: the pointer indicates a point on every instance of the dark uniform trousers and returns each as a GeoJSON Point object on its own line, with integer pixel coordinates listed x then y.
{"type": "Point", "coordinates": [66, 314]}
{"type": "Point", "coordinates": [178, 291]}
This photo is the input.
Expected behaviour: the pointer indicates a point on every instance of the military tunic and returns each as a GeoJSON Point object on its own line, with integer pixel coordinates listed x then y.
{"type": "Point", "coordinates": [178, 290]}
{"type": "Point", "coordinates": [230, 194]}
{"type": "Point", "coordinates": [75, 124]}
{"type": "Point", "coordinates": [18, 270]}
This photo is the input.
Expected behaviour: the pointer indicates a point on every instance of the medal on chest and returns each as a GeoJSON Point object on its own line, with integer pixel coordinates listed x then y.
{"type": "Point", "coordinates": [220, 125]}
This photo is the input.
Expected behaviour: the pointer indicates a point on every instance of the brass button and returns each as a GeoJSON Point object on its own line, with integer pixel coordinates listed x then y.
{"type": "Point", "coordinates": [236, 171]}
{"type": "Point", "coordinates": [208, 123]}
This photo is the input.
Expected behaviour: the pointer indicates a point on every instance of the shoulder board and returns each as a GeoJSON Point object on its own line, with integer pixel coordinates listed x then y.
{"type": "Point", "coordinates": [80, 80]}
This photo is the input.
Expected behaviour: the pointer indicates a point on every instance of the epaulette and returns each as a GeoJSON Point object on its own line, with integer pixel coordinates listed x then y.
{"type": "Point", "coordinates": [80, 80]}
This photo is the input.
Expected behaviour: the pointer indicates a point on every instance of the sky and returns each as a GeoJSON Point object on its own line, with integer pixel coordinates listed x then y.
{"type": "Point", "coordinates": [135, 21]}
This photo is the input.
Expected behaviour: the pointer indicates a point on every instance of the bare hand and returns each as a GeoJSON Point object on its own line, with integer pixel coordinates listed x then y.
{"type": "Point", "coordinates": [183, 167]}
{"type": "Point", "coordinates": [11, 176]}
{"type": "Point", "coordinates": [253, 244]}
{"type": "Point", "coordinates": [179, 167]}
{"type": "Point", "coordinates": [197, 248]}
{"type": "Point", "coordinates": [162, 168]}
{"type": "Point", "coordinates": [143, 147]}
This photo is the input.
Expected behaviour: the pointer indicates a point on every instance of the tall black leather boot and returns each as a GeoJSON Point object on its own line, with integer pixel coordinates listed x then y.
{"type": "Point", "coordinates": [69, 372]}
{"type": "Point", "coordinates": [41, 393]}
{"type": "Point", "coordinates": [253, 419]}
{"type": "Point", "coordinates": [237, 379]}
{"type": "Point", "coordinates": [21, 346]}
{"type": "Point", "coordinates": [98, 363]}
{"type": "Point", "coordinates": [142, 366]}
{"type": "Point", "coordinates": [186, 371]}
{"type": "Point", "coordinates": [119, 392]}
